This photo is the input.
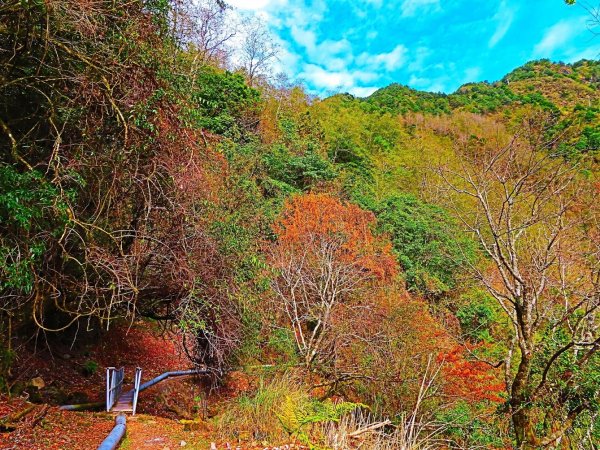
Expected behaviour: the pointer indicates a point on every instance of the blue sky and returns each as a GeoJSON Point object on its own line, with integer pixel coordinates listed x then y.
{"type": "Point", "coordinates": [358, 46]}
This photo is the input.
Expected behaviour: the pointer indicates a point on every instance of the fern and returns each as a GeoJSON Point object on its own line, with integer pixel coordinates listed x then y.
{"type": "Point", "coordinates": [296, 416]}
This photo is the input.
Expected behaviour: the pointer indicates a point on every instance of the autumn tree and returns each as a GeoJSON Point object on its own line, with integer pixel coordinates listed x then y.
{"type": "Point", "coordinates": [325, 254]}
{"type": "Point", "coordinates": [530, 211]}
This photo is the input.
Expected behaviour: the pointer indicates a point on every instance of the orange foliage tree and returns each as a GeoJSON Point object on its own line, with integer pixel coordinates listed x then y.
{"type": "Point", "coordinates": [325, 254]}
{"type": "Point", "coordinates": [469, 379]}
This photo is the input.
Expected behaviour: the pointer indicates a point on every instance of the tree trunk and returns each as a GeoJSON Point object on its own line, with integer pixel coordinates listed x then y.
{"type": "Point", "coordinates": [519, 402]}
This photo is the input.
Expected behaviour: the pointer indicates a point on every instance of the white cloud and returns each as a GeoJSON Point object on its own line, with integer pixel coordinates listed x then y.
{"type": "Point", "coordinates": [287, 62]}
{"type": "Point", "coordinates": [590, 53]}
{"type": "Point", "coordinates": [334, 55]}
{"type": "Point", "coordinates": [326, 79]}
{"type": "Point", "coordinates": [558, 35]}
{"type": "Point", "coordinates": [389, 61]}
{"type": "Point", "coordinates": [305, 37]}
{"type": "Point", "coordinates": [503, 18]}
{"type": "Point", "coordinates": [249, 4]}
{"type": "Point", "coordinates": [410, 8]}
{"type": "Point", "coordinates": [427, 84]}
{"type": "Point", "coordinates": [362, 91]}
{"type": "Point", "coordinates": [437, 87]}
{"type": "Point", "coordinates": [340, 80]}
{"type": "Point", "coordinates": [418, 82]}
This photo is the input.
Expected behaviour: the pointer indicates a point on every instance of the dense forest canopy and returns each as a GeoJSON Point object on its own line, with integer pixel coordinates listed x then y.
{"type": "Point", "coordinates": [434, 257]}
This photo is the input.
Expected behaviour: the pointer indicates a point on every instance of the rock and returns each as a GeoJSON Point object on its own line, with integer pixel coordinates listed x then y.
{"type": "Point", "coordinates": [213, 446]}
{"type": "Point", "coordinates": [182, 444]}
{"type": "Point", "coordinates": [66, 356]}
{"type": "Point", "coordinates": [38, 382]}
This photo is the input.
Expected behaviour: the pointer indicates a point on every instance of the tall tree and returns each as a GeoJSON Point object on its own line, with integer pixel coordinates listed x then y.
{"type": "Point", "coordinates": [530, 215]}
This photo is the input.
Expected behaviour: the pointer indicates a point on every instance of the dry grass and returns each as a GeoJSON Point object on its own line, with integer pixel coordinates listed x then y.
{"type": "Point", "coordinates": [256, 416]}
{"type": "Point", "coordinates": [349, 433]}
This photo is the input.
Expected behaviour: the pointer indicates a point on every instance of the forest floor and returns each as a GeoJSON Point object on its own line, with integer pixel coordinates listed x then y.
{"type": "Point", "coordinates": [172, 414]}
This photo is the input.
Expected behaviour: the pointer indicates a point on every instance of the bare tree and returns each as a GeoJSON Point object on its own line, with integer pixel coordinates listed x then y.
{"type": "Point", "coordinates": [206, 28]}
{"type": "Point", "coordinates": [528, 211]}
{"type": "Point", "coordinates": [258, 49]}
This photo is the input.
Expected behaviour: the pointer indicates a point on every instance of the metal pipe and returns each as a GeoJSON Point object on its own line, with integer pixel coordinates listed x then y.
{"type": "Point", "coordinates": [112, 440]}
{"type": "Point", "coordinates": [177, 373]}
{"type": "Point", "coordinates": [83, 406]}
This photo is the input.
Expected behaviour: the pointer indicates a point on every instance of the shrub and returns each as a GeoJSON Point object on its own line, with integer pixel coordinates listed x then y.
{"type": "Point", "coordinates": [90, 367]}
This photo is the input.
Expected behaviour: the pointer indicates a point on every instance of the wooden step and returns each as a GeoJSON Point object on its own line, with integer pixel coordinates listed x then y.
{"type": "Point", "coordinates": [124, 402]}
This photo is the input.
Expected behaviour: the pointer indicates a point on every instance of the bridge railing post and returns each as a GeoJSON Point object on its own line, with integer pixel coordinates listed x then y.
{"type": "Point", "coordinates": [136, 387]}
{"type": "Point", "coordinates": [108, 384]}
{"type": "Point", "coordinates": [114, 382]}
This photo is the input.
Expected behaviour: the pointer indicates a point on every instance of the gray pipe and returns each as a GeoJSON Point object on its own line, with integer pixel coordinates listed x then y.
{"type": "Point", "coordinates": [83, 407]}
{"type": "Point", "coordinates": [177, 373]}
{"type": "Point", "coordinates": [112, 440]}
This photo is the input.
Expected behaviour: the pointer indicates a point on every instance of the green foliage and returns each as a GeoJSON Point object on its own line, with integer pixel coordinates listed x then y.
{"type": "Point", "coordinates": [465, 429]}
{"type": "Point", "coordinates": [402, 99]}
{"type": "Point", "coordinates": [293, 173]}
{"type": "Point", "coordinates": [220, 102]}
{"type": "Point", "coordinates": [25, 198]}
{"type": "Point", "coordinates": [89, 368]}
{"type": "Point", "coordinates": [296, 417]}
{"type": "Point", "coordinates": [429, 245]}
{"type": "Point", "coordinates": [282, 342]}
{"type": "Point", "coordinates": [528, 71]}
{"type": "Point", "coordinates": [30, 207]}
{"type": "Point", "coordinates": [483, 97]}
{"type": "Point", "coordinates": [134, 113]}
{"type": "Point", "coordinates": [255, 412]}
{"type": "Point", "coordinates": [477, 316]}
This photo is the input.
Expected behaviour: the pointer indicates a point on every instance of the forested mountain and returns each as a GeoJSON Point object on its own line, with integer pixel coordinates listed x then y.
{"type": "Point", "coordinates": [543, 83]}
{"type": "Point", "coordinates": [425, 258]}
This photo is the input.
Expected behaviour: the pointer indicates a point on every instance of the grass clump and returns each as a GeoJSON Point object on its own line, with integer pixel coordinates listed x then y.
{"type": "Point", "coordinates": [279, 410]}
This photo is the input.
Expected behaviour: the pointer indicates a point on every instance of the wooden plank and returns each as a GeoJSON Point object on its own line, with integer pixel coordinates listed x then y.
{"type": "Point", "coordinates": [122, 408]}
{"type": "Point", "coordinates": [124, 403]}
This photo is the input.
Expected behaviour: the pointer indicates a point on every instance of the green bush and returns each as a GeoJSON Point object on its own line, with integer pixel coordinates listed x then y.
{"type": "Point", "coordinates": [90, 367]}
{"type": "Point", "coordinates": [428, 243]}
{"type": "Point", "coordinates": [477, 317]}
{"type": "Point", "coordinates": [297, 172]}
